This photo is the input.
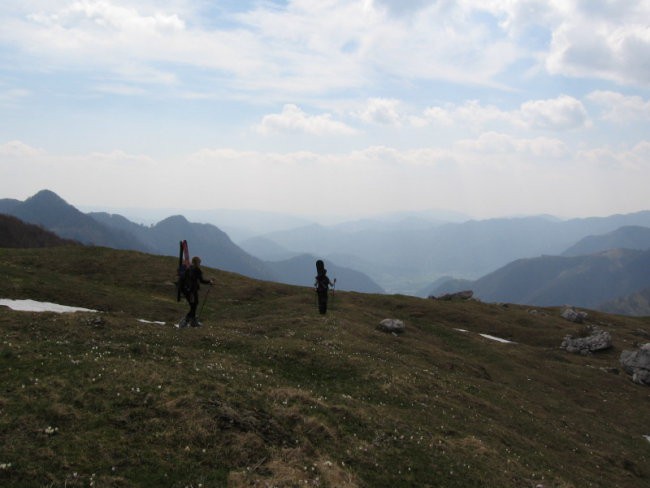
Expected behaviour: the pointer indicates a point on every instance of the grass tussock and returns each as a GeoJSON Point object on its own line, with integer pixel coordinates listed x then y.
{"type": "Point", "coordinates": [269, 393]}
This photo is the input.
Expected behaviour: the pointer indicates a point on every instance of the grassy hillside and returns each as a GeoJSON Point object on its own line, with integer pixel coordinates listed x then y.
{"type": "Point", "coordinates": [16, 233]}
{"type": "Point", "coordinates": [269, 393]}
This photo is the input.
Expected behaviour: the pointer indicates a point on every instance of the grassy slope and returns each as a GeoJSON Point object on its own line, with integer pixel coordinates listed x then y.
{"type": "Point", "coordinates": [269, 393]}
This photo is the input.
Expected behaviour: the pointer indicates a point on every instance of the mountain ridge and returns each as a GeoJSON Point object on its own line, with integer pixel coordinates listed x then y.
{"type": "Point", "coordinates": [627, 237]}
{"type": "Point", "coordinates": [465, 250]}
{"type": "Point", "coordinates": [214, 246]}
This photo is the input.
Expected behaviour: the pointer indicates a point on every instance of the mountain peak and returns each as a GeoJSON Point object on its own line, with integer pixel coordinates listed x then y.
{"type": "Point", "coordinates": [46, 197]}
{"type": "Point", "coordinates": [174, 220]}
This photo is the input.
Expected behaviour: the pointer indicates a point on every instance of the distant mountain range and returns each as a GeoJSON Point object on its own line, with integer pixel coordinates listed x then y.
{"type": "Point", "coordinates": [48, 210]}
{"type": "Point", "coordinates": [407, 259]}
{"type": "Point", "coordinates": [628, 237]}
{"type": "Point", "coordinates": [585, 281]}
{"type": "Point", "coordinates": [613, 276]}
{"type": "Point", "coordinates": [601, 262]}
{"type": "Point", "coordinates": [214, 246]}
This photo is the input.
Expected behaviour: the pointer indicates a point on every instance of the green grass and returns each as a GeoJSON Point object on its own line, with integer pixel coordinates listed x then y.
{"type": "Point", "coordinates": [270, 393]}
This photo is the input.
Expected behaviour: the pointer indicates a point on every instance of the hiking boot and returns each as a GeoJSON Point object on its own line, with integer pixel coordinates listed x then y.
{"type": "Point", "coordinates": [196, 323]}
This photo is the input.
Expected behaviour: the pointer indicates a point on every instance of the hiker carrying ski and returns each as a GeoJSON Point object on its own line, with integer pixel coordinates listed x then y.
{"type": "Point", "coordinates": [322, 285]}
{"type": "Point", "coordinates": [191, 284]}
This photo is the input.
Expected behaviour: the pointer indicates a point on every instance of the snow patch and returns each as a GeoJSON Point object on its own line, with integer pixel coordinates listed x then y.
{"type": "Point", "coordinates": [34, 306]}
{"type": "Point", "coordinates": [151, 322]}
{"type": "Point", "coordinates": [488, 336]}
{"type": "Point", "coordinates": [647, 437]}
{"type": "Point", "coordinates": [498, 339]}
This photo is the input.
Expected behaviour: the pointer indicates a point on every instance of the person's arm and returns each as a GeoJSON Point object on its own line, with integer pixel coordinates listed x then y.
{"type": "Point", "coordinates": [202, 280]}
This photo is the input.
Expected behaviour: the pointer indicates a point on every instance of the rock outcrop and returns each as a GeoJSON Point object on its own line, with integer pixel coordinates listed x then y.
{"type": "Point", "coordinates": [460, 295]}
{"type": "Point", "coordinates": [572, 315]}
{"type": "Point", "coordinates": [394, 326]}
{"type": "Point", "coordinates": [637, 364]}
{"type": "Point", "coordinates": [597, 340]}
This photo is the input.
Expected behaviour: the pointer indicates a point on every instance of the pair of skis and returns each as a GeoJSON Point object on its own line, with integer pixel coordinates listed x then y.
{"type": "Point", "coordinates": [183, 265]}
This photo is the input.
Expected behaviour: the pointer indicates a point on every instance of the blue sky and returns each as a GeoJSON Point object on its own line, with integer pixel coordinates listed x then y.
{"type": "Point", "coordinates": [487, 107]}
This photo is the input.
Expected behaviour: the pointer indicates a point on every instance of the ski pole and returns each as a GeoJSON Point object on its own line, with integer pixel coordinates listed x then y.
{"type": "Point", "coordinates": [204, 300]}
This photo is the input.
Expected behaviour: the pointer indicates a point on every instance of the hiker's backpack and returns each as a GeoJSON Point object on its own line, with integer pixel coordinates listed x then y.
{"type": "Point", "coordinates": [322, 281]}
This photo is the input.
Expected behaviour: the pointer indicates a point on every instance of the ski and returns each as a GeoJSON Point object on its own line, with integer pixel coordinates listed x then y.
{"type": "Point", "coordinates": [183, 264]}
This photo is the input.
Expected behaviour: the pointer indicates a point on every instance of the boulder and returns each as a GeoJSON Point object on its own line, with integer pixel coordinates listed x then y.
{"type": "Point", "coordinates": [395, 326]}
{"type": "Point", "coordinates": [572, 315]}
{"type": "Point", "coordinates": [597, 340]}
{"type": "Point", "coordinates": [460, 295]}
{"type": "Point", "coordinates": [637, 364]}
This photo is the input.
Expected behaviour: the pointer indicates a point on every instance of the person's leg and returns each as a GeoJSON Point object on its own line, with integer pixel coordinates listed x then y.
{"type": "Point", "coordinates": [194, 305]}
{"type": "Point", "coordinates": [322, 302]}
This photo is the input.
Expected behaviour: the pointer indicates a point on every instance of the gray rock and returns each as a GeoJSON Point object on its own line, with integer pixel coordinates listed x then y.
{"type": "Point", "coordinates": [637, 364]}
{"type": "Point", "coordinates": [394, 326]}
{"type": "Point", "coordinates": [598, 340]}
{"type": "Point", "coordinates": [572, 315]}
{"type": "Point", "coordinates": [460, 295]}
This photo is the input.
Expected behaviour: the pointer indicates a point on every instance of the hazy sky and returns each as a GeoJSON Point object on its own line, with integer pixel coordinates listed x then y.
{"type": "Point", "coordinates": [488, 107]}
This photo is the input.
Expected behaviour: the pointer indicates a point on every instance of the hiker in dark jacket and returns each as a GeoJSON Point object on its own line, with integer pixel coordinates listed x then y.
{"type": "Point", "coordinates": [322, 285]}
{"type": "Point", "coordinates": [191, 291]}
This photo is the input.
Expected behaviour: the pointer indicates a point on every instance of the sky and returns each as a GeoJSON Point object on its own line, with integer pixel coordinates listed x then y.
{"type": "Point", "coordinates": [320, 107]}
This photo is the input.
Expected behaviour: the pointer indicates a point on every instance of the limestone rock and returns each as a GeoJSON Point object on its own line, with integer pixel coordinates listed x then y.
{"type": "Point", "coordinates": [460, 295]}
{"type": "Point", "coordinates": [572, 315]}
{"type": "Point", "coordinates": [392, 325]}
{"type": "Point", "coordinates": [597, 340]}
{"type": "Point", "coordinates": [637, 364]}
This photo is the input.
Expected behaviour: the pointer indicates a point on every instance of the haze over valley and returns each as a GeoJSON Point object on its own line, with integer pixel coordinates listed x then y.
{"type": "Point", "coordinates": [540, 260]}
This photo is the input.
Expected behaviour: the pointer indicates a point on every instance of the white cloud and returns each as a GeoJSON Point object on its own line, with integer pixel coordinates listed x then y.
{"type": "Point", "coordinates": [634, 161]}
{"type": "Point", "coordinates": [470, 113]}
{"type": "Point", "coordinates": [294, 120]}
{"type": "Point", "coordinates": [307, 46]}
{"type": "Point", "coordinates": [311, 47]}
{"type": "Point", "coordinates": [526, 150]}
{"type": "Point", "coordinates": [102, 14]}
{"type": "Point", "coordinates": [18, 149]}
{"type": "Point", "coordinates": [560, 113]}
{"type": "Point", "coordinates": [557, 114]}
{"type": "Point", "coordinates": [382, 111]}
{"type": "Point", "coordinates": [595, 43]}
{"type": "Point", "coordinates": [404, 90]}
{"type": "Point", "coordinates": [621, 108]}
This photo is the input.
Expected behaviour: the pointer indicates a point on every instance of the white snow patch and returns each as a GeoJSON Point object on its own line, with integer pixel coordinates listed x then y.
{"type": "Point", "coordinates": [494, 338]}
{"type": "Point", "coordinates": [647, 437]}
{"type": "Point", "coordinates": [488, 336]}
{"type": "Point", "coordinates": [151, 322]}
{"type": "Point", "coordinates": [34, 306]}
